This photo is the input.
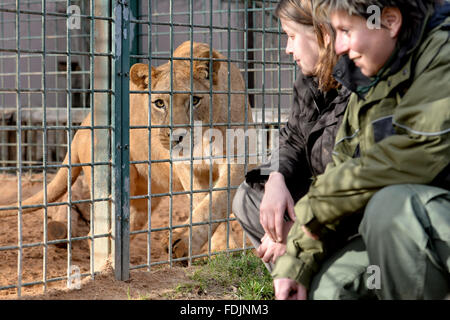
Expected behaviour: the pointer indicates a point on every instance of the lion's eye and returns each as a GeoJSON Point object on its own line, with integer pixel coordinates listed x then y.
{"type": "Point", "coordinates": [196, 100]}
{"type": "Point", "coordinates": [159, 103]}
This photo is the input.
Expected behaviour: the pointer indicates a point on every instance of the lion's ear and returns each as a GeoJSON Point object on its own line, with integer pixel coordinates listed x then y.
{"type": "Point", "coordinates": [139, 75]}
{"type": "Point", "coordinates": [201, 68]}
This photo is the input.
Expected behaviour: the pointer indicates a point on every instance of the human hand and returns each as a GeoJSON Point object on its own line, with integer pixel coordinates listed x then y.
{"type": "Point", "coordinates": [276, 201]}
{"type": "Point", "coordinates": [269, 250]}
{"type": "Point", "coordinates": [288, 289]}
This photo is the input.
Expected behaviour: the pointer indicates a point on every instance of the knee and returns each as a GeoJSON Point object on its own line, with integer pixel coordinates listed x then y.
{"type": "Point", "coordinates": [386, 210]}
{"type": "Point", "coordinates": [239, 200]}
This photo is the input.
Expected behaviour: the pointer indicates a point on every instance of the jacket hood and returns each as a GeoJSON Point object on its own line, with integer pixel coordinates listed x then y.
{"type": "Point", "coordinates": [435, 17]}
{"type": "Point", "coordinates": [440, 14]}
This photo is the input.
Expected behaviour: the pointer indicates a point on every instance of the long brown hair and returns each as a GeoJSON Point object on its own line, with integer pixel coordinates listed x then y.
{"type": "Point", "coordinates": [301, 12]}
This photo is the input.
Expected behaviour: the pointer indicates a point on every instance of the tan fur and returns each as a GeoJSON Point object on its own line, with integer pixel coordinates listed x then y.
{"type": "Point", "coordinates": [223, 175]}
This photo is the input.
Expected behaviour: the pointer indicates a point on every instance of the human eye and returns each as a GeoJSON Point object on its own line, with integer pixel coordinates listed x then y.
{"type": "Point", "coordinates": [344, 30]}
{"type": "Point", "coordinates": [290, 35]}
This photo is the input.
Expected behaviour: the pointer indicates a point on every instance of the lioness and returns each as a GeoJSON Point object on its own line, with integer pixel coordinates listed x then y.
{"type": "Point", "coordinates": [173, 112]}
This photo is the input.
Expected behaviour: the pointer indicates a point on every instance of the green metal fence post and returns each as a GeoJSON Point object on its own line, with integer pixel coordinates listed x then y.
{"type": "Point", "coordinates": [121, 141]}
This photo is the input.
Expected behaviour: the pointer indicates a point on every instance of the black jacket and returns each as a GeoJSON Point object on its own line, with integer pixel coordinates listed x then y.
{"type": "Point", "coordinates": [307, 140]}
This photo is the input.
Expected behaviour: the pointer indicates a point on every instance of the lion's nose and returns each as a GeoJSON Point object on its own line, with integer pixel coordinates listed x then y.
{"type": "Point", "coordinates": [178, 137]}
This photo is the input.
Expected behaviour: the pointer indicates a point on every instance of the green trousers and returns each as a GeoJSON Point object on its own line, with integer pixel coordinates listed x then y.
{"type": "Point", "coordinates": [402, 250]}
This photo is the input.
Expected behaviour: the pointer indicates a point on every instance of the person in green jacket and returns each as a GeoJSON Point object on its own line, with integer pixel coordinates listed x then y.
{"type": "Point", "coordinates": [376, 223]}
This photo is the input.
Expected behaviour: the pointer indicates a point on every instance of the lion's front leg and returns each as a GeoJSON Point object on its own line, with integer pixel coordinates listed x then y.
{"type": "Point", "coordinates": [216, 202]}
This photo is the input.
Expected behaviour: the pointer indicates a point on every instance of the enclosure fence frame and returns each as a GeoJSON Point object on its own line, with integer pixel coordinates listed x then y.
{"type": "Point", "coordinates": [121, 141]}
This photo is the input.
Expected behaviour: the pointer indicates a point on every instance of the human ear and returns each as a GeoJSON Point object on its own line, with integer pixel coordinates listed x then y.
{"type": "Point", "coordinates": [326, 34]}
{"type": "Point", "coordinates": [392, 19]}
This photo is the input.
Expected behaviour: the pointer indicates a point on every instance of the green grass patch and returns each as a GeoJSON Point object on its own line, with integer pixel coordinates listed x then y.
{"type": "Point", "coordinates": [240, 275]}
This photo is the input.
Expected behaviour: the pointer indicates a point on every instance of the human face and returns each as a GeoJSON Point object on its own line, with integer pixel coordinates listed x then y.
{"type": "Point", "coordinates": [302, 45]}
{"type": "Point", "coordinates": [369, 49]}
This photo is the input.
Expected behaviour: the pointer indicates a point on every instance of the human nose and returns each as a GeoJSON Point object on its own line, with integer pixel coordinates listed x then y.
{"type": "Point", "coordinates": [288, 46]}
{"type": "Point", "coordinates": [341, 44]}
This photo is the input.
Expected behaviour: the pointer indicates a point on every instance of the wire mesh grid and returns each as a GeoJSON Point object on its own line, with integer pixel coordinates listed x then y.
{"type": "Point", "coordinates": [248, 35]}
{"type": "Point", "coordinates": [47, 72]}
{"type": "Point", "coordinates": [52, 76]}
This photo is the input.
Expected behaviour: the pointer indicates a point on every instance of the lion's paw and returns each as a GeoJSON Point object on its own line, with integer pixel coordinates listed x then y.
{"type": "Point", "coordinates": [56, 231]}
{"type": "Point", "coordinates": [180, 247]}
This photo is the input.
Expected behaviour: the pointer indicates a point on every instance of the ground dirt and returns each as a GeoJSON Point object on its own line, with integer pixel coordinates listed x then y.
{"type": "Point", "coordinates": [158, 283]}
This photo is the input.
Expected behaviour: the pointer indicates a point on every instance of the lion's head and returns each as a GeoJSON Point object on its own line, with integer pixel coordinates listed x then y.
{"type": "Point", "coordinates": [181, 98]}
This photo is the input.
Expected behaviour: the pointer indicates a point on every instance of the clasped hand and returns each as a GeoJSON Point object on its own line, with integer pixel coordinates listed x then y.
{"type": "Point", "coordinates": [276, 201]}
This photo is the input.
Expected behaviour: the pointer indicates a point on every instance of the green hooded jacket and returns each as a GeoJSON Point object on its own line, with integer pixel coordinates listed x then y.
{"type": "Point", "coordinates": [398, 133]}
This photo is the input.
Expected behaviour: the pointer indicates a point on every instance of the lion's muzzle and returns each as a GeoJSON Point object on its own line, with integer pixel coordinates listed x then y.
{"type": "Point", "coordinates": [177, 137]}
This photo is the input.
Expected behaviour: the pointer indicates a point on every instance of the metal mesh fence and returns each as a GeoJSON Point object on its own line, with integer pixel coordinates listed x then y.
{"type": "Point", "coordinates": [47, 72]}
{"type": "Point", "coordinates": [39, 54]}
{"type": "Point", "coordinates": [249, 36]}
{"type": "Point", "coordinates": [53, 76]}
